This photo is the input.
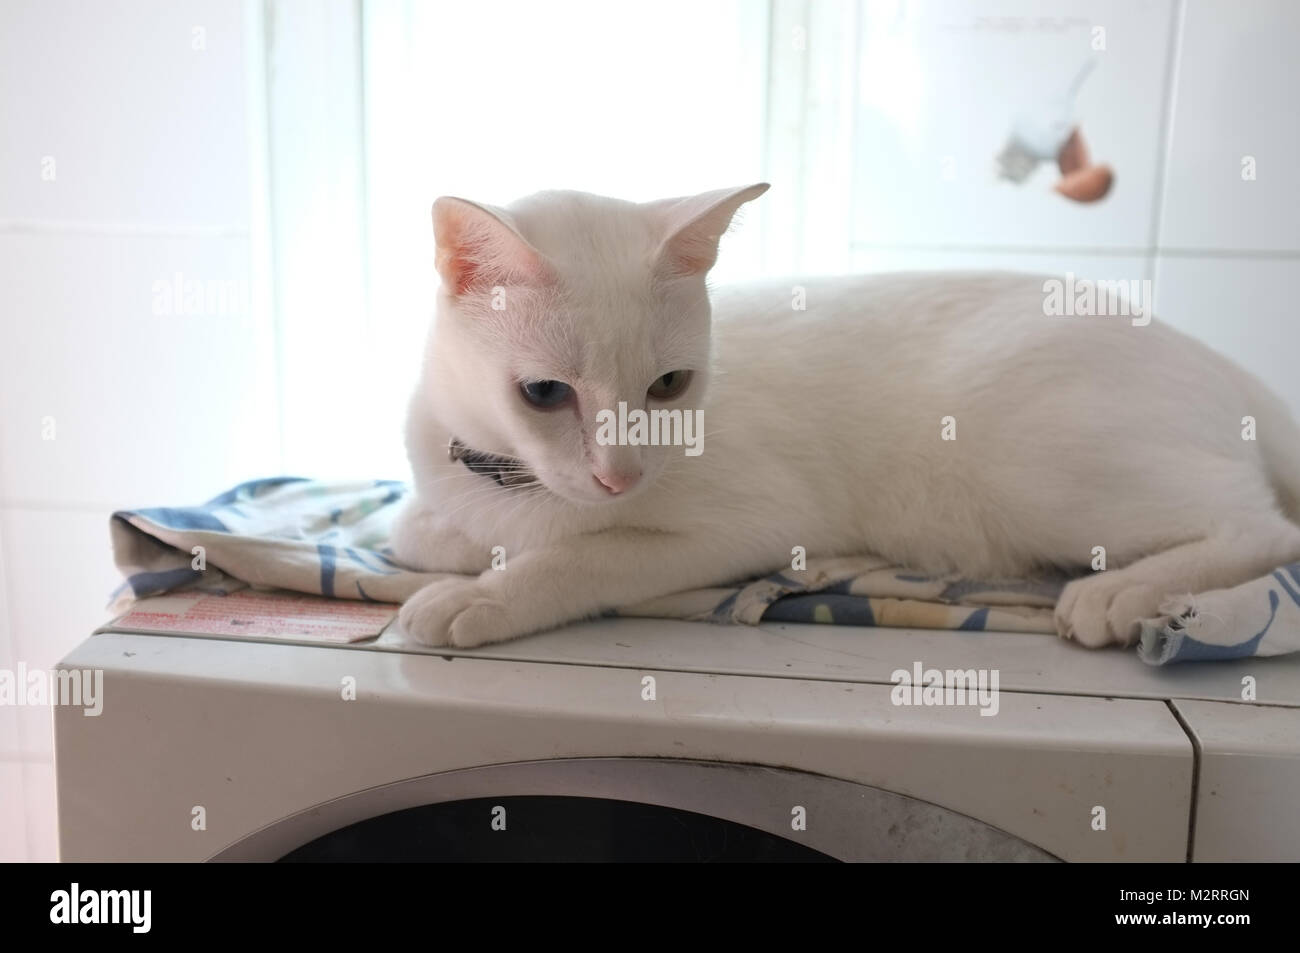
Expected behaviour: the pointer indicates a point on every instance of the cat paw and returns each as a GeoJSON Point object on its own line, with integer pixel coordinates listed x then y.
{"type": "Point", "coordinates": [458, 612]}
{"type": "Point", "coordinates": [1105, 609]}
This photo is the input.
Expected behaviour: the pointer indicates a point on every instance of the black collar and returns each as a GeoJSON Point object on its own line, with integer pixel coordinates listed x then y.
{"type": "Point", "coordinates": [507, 471]}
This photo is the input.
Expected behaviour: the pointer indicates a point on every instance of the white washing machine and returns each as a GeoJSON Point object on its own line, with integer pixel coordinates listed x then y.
{"type": "Point", "coordinates": [602, 740]}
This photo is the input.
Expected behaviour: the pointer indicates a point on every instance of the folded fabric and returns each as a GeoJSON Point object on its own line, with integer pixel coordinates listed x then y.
{"type": "Point", "coordinates": [1259, 617]}
{"type": "Point", "coordinates": [331, 539]}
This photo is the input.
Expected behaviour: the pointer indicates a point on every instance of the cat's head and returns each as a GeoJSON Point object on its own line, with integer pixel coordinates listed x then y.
{"type": "Point", "coordinates": [563, 306]}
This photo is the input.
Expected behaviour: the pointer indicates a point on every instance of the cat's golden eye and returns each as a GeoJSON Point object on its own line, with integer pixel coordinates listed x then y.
{"type": "Point", "coordinates": [669, 385]}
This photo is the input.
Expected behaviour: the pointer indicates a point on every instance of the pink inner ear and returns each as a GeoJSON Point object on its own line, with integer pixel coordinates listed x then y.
{"type": "Point", "coordinates": [696, 225]}
{"type": "Point", "coordinates": [691, 253]}
{"type": "Point", "coordinates": [467, 265]}
{"type": "Point", "coordinates": [475, 250]}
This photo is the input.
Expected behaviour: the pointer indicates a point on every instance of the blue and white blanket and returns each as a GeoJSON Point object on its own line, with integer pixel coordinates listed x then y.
{"type": "Point", "coordinates": [331, 539]}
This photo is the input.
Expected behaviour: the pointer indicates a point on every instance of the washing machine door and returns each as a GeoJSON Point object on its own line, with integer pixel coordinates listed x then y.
{"type": "Point", "coordinates": [629, 809]}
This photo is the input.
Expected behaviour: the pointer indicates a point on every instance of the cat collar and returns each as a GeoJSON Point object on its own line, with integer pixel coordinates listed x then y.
{"type": "Point", "coordinates": [507, 471]}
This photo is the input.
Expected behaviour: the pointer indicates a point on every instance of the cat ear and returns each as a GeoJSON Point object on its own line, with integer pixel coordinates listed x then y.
{"type": "Point", "coordinates": [478, 247]}
{"type": "Point", "coordinates": [694, 226]}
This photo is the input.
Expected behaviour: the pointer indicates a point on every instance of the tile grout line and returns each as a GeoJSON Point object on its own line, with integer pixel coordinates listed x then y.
{"type": "Point", "coordinates": [128, 229]}
{"type": "Point", "coordinates": [1197, 761]}
{"type": "Point", "coordinates": [59, 507]}
{"type": "Point", "coordinates": [1095, 251]}
{"type": "Point", "coordinates": [1164, 144]}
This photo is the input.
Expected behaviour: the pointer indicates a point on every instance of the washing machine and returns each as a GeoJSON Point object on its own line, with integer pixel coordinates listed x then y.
{"type": "Point", "coordinates": [636, 739]}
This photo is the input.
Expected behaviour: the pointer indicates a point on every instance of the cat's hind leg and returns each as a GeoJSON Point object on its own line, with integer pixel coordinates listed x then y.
{"type": "Point", "coordinates": [1107, 607]}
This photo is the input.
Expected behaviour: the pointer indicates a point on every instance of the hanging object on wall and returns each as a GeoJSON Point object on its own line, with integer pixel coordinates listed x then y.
{"type": "Point", "coordinates": [1049, 133]}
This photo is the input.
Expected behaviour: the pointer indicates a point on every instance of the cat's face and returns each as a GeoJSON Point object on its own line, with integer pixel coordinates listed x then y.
{"type": "Point", "coordinates": [573, 334]}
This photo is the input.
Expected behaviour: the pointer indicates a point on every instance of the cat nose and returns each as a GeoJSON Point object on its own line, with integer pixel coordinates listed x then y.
{"type": "Point", "coordinates": [616, 483]}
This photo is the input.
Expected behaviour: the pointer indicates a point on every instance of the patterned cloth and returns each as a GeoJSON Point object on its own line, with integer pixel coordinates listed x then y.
{"type": "Point", "coordinates": [331, 539]}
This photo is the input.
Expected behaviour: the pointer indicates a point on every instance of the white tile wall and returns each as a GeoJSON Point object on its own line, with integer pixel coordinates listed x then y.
{"type": "Point", "coordinates": [41, 811]}
{"type": "Point", "coordinates": [1235, 98]}
{"type": "Point", "coordinates": [9, 746]}
{"type": "Point", "coordinates": [1228, 260]}
{"type": "Point", "coordinates": [1095, 267]}
{"type": "Point", "coordinates": [48, 548]}
{"type": "Point", "coordinates": [137, 120]}
{"type": "Point", "coordinates": [940, 79]}
{"type": "Point", "coordinates": [940, 84]}
{"type": "Point", "coordinates": [144, 406]}
{"type": "Point", "coordinates": [1244, 308]}
{"type": "Point", "coordinates": [13, 829]}
{"type": "Point", "coordinates": [13, 811]}
{"type": "Point", "coordinates": [141, 108]}
{"type": "Point", "coordinates": [50, 615]}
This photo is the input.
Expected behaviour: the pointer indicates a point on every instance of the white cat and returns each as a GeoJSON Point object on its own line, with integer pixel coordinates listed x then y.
{"type": "Point", "coordinates": [824, 429]}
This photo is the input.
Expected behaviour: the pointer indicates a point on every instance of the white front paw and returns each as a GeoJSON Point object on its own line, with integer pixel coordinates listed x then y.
{"type": "Point", "coordinates": [1105, 609]}
{"type": "Point", "coordinates": [460, 612]}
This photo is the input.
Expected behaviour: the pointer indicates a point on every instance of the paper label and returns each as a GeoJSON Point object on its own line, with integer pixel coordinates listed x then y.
{"type": "Point", "coordinates": [259, 615]}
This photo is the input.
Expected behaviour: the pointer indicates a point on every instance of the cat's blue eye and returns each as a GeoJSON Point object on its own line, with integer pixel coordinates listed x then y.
{"type": "Point", "coordinates": [545, 394]}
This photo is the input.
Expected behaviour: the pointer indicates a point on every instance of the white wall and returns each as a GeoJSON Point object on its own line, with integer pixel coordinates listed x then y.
{"type": "Point", "coordinates": [1181, 94]}
{"type": "Point", "coordinates": [144, 120]}
{"type": "Point", "coordinates": [1227, 261]}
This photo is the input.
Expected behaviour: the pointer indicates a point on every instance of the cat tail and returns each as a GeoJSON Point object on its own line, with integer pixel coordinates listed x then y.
{"type": "Point", "coordinates": [1279, 444]}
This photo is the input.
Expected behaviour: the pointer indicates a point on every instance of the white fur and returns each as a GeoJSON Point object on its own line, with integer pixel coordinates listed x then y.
{"type": "Point", "coordinates": [823, 430]}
